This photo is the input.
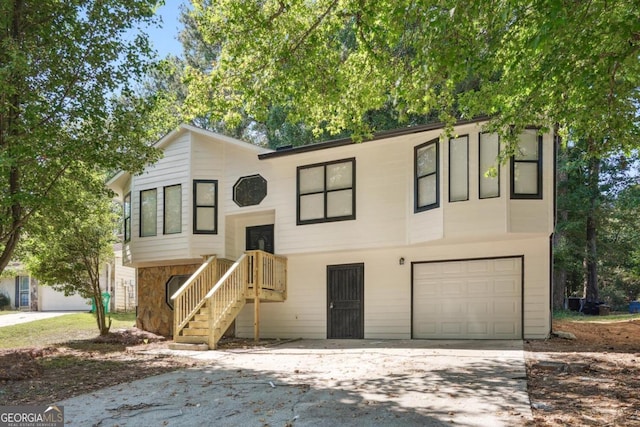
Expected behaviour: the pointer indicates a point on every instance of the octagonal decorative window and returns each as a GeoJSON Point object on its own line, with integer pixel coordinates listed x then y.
{"type": "Point", "coordinates": [249, 190]}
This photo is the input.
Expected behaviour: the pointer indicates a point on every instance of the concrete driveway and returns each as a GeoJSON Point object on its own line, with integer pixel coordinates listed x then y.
{"type": "Point", "coordinates": [30, 316]}
{"type": "Point", "coordinates": [325, 383]}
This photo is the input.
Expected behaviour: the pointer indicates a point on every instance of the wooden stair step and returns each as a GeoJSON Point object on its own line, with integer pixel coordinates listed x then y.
{"type": "Point", "coordinates": [201, 317]}
{"type": "Point", "coordinates": [195, 332]}
{"type": "Point", "coordinates": [191, 339]}
{"type": "Point", "coordinates": [198, 324]}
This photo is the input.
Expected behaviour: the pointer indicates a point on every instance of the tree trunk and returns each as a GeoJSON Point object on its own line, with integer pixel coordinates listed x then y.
{"type": "Point", "coordinates": [591, 252]}
{"type": "Point", "coordinates": [559, 271]}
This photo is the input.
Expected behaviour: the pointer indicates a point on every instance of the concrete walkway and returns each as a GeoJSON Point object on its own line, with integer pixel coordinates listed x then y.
{"type": "Point", "coordinates": [30, 316]}
{"type": "Point", "coordinates": [325, 383]}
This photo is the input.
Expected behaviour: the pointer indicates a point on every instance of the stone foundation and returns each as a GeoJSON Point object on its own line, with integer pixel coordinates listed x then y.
{"type": "Point", "coordinates": [154, 315]}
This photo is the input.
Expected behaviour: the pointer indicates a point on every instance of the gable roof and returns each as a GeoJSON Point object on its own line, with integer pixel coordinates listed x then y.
{"type": "Point", "coordinates": [348, 141]}
{"type": "Point", "coordinates": [118, 179]}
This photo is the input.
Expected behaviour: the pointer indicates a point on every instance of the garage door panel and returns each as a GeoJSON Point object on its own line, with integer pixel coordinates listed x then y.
{"type": "Point", "coordinates": [476, 299]}
{"type": "Point", "coordinates": [451, 328]}
{"type": "Point", "coordinates": [479, 287]}
{"type": "Point", "coordinates": [477, 267]}
{"type": "Point", "coordinates": [479, 328]}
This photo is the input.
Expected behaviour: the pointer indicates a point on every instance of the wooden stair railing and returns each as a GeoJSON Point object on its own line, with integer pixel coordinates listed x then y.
{"type": "Point", "coordinates": [226, 299]}
{"type": "Point", "coordinates": [188, 300]}
{"type": "Point", "coordinates": [207, 304]}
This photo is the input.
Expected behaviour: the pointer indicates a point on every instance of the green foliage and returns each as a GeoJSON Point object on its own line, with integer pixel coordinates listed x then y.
{"type": "Point", "coordinates": [330, 62]}
{"type": "Point", "coordinates": [574, 316]}
{"type": "Point", "coordinates": [65, 105]}
{"type": "Point", "coordinates": [68, 248]}
{"type": "Point", "coordinates": [5, 301]}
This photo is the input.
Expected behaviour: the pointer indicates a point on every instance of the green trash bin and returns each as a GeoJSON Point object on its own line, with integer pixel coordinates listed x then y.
{"type": "Point", "coordinates": [106, 297]}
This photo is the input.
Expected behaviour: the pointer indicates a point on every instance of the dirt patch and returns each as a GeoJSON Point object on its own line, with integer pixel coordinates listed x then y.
{"type": "Point", "coordinates": [45, 375]}
{"type": "Point", "coordinates": [593, 380]}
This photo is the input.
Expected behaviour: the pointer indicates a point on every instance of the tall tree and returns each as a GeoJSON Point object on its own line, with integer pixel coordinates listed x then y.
{"type": "Point", "coordinates": [542, 62]}
{"type": "Point", "coordinates": [61, 65]}
{"type": "Point", "coordinates": [67, 249]}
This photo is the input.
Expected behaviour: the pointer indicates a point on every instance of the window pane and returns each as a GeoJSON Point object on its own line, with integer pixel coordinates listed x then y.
{"type": "Point", "coordinates": [527, 146]}
{"type": "Point", "coordinates": [426, 161]}
{"type": "Point", "coordinates": [205, 194]}
{"type": "Point", "coordinates": [173, 209]}
{"type": "Point", "coordinates": [148, 213]}
{"type": "Point", "coordinates": [458, 169]}
{"type": "Point", "coordinates": [339, 175]}
{"type": "Point", "coordinates": [205, 219]}
{"type": "Point", "coordinates": [127, 205]}
{"type": "Point", "coordinates": [311, 207]}
{"type": "Point", "coordinates": [339, 203]}
{"type": "Point", "coordinates": [427, 191]}
{"type": "Point", "coordinates": [525, 179]}
{"type": "Point", "coordinates": [489, 150]}
{"type": "Point", "coordinates": [127, 217]}
{"type": "Point", "coordinates": [311, 180]}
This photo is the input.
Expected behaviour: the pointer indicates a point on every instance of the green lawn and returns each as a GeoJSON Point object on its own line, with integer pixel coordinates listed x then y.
{"type": "Point", "coordinates": [578, 317]}
{"type": "Point", "coordinates": [42, 333]}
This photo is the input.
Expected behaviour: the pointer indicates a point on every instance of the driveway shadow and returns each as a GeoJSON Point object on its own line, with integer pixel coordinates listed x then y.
{"type": "Point", "coordinates": [306, 384]}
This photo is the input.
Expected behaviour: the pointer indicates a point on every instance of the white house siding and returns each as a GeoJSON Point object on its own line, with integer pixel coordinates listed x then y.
{"type": "Point", "coordinates": [171, 169]}
{"type": "Point", "coordinates": [124, 286]}
{"type": "Point", "coordinates": [387, 288]}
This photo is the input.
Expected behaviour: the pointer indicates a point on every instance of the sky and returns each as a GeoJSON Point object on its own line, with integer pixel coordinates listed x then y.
{"type": "Point", "coordinates": [165, 39]}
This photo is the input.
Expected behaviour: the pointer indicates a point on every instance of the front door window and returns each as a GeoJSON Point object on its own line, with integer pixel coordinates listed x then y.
{"type": "Point", "coordinates": [260, 238]}
{"type": "Point", "coordinates": [23, 292]}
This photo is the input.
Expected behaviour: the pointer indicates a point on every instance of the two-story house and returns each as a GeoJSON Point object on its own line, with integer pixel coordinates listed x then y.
{"type": "Point", "coordinates": [402, 236]}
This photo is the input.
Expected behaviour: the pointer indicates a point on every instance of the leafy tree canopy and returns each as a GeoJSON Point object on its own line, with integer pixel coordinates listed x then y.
{"type": "Point", "coordinates": [330, 62]}
{"type": "Point", "coordinates": [65, 68]}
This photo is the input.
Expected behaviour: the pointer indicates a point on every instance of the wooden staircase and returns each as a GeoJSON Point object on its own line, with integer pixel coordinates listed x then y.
{"type": "Point", "coordinates": [208, 303]}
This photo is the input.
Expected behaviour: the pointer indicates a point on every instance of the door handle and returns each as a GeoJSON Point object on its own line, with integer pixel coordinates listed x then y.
{"type": "Point", "coordinates": [331, 305]}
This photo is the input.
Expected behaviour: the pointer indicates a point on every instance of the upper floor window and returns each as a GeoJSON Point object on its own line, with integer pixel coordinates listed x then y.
{"type": "Point", "coordinates": [148, 212]}
{"type": "Point", "coordinates": [427, 180]}
{"type": "Point", "coordinates": [326, 192]}
{"type": "Point", "coordinates": [489, 167]}
{"type": "Point", "coordinates": [526, 167]}
{"type": "Point", "coordinates": [172, 209]}
{"type": "Point", "coordinates": [127, 217]}
{"type": "Point", "coordinates": [459, 169]}
{"type": "Point", "coordinates": [205, 207]}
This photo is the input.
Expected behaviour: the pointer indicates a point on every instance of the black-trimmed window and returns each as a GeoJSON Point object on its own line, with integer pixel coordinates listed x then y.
{"type": "Point", "coordinates": [172, 209]}
{"type": "Point", "coordinates": [526, 167]}
{"type": "Point", "coordinates": [205, 206]}
{"type": "Point", "coordinates": [326, 192]}
{"type": "Point", "coordinates": [489, 166]}
{"type": "Point", "coordinates": [459, 169]}
{"type": "Point", "coordinates": [148, 212]}
{"type": "Point", "coordinates": [427, 176]}
{"type": "Point", "coordinates": [173, 285]}
{"type": "Point", "coordinates": [127, 217]}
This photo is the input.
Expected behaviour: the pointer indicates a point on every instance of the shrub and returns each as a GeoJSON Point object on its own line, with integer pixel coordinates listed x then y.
{"type": "Point", "coordinates": [5, 301]}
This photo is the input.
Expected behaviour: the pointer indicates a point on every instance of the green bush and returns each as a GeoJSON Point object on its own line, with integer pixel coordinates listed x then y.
{"type": "Point", "coordinates": [5, 302]}
{"type": "Point", "coordinates": [615, 298]}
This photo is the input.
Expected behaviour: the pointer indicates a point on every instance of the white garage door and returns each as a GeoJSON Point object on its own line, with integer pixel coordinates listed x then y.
{"type": "Point", "coordinates": [52, 300]}
{"type": "Point", "coordinates": [474, 299]}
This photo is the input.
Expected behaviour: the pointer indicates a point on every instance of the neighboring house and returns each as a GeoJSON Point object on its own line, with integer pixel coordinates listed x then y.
{"type": "Point", "coordinates": [123, 287]}
{"type": "Point", "coordinates": [26, 293]}
{"type": "Point", "coordinates": [403, 236]}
